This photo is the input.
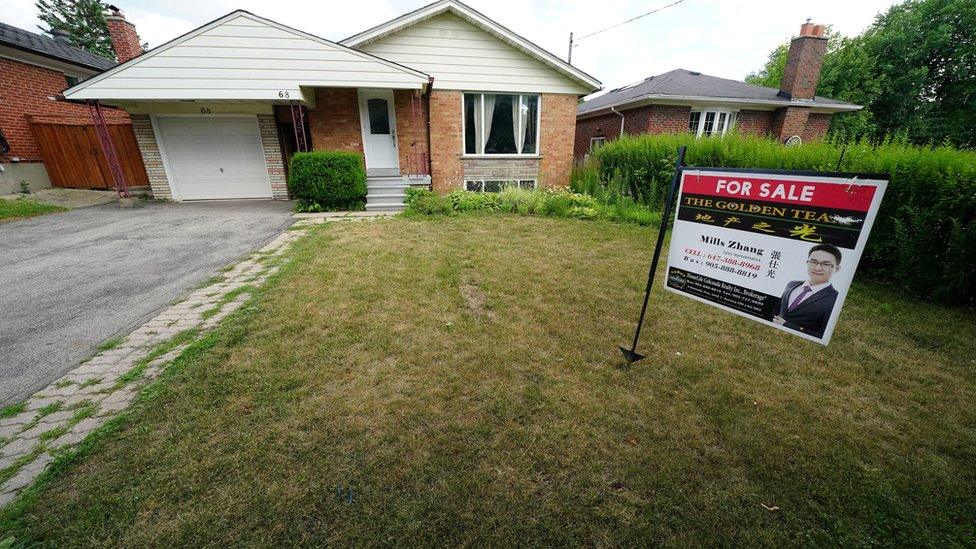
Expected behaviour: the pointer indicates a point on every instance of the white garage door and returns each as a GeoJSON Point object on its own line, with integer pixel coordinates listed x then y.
{"type": "Point", "coordinates": [214, 157]}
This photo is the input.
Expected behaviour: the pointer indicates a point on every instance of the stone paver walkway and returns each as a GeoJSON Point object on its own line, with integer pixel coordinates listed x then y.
{"type": "Point", "coordinates": [64, 413]}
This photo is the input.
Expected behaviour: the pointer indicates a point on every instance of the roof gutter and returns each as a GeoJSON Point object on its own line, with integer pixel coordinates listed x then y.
{"type": "Point", "coordinates": [622, 118]}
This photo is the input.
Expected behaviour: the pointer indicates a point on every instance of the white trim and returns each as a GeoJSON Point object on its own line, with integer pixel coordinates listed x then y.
{"type": "Point", "coordinates": [484, 140]}
{"type": "Point", "coordinates": [472, 16]}
{"type": "Point", "coordinates": [423, 77]}
{"type": "Point", "coordinates": [602, 139]}
{"type": "Point", "coordinates": [174, 190]}
{"type": "Point", "coordinates": [731, 116]}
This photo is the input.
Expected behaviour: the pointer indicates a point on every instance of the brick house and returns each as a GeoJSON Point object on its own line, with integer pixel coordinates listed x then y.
{"type": "Point", "coordinates": [441, 96]}
{"type": "Point", "coordinates": [682, 100]}
{"type": "Point", "coordinates": [34, 70]}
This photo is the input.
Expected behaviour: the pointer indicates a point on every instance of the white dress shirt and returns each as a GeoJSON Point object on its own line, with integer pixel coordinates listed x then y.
{"type": "Point", "coordinates": [799, 289]}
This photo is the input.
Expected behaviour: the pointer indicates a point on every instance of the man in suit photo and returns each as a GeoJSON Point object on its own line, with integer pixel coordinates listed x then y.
{"type": "Point", "coordinates": [806, 304]}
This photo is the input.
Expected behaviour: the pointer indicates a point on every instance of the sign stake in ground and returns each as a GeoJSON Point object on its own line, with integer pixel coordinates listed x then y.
{"type": "Point", "coordinates": [631, 355]}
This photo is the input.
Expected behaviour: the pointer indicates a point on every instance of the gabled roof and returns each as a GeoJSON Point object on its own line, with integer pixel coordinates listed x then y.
{"type": "Point", "coordinates": [51, 48]}
{"type": "Point", "coordinates": [684, 85]}
{"type": "Point", "coordinates": [241, 56]}
{"type": "Point", "coordinates": [478, 19]}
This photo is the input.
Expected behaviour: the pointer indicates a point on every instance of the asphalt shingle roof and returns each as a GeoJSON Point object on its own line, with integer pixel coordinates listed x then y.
{"type": "Point", "coordinates": [49, 47]}
{"type": "Point", "coordinates": [681, 82]}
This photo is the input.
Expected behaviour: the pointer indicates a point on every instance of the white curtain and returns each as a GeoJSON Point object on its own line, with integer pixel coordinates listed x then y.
{"type": "Point", "coordinates": [489, 112]}
{"type": "Point", "coordinates": [520, 117]}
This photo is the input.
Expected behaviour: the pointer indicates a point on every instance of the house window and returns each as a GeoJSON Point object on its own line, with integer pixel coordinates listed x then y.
{"type": "Point", "coordinates": [710, 122]}
{"type": "Point", "coordinates": [596, 142]}
{"type": "Point", "coordinates": [501, 124]}
{"type": "Point", "coordinates": [494, 186]}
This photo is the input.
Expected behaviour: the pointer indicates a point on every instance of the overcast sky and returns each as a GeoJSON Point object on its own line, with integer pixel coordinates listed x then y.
{"type": "Point", "coordinates": [726, 38]}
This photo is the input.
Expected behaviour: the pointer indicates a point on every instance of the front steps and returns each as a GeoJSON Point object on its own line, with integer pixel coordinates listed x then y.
{"type": "Point", "coordinates": [386, 193]}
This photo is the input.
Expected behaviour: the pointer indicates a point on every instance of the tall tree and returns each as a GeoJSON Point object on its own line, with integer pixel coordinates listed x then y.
{"type": "Point", "coordinates": [83, 20]}
{"type": "Point", "coordinates": [914, 70]}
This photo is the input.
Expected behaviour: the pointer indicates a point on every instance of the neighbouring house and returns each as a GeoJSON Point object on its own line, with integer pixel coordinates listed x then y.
{"type": "Point", "coordinates": [441, 96]}
{"type": "Point", "coordinates": [44, 141]}
{"type": "Point", "coordinates": [688, 101]}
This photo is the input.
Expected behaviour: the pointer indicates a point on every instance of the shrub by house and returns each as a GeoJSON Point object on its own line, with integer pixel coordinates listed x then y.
{"type": "Point", "coordinates": [328, 180]}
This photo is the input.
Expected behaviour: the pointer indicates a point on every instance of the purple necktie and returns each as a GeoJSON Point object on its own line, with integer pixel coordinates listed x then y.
{"type": "Point", "coordinates": [799, 298]}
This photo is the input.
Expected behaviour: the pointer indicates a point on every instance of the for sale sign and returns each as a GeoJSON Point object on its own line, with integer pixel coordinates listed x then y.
{"type": "Point", "coordinates": [780, 248]}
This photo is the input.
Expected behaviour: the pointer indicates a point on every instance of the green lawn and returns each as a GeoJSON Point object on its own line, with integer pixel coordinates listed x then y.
{"type": "Point", "coordinates": [25, 207]}
{"type": "Point", "coordinates": [457, 381]}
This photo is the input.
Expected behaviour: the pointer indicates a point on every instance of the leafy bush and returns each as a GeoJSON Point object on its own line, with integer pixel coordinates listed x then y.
{"type": "Point", "coordinates": [548, 202]}
{"type": "Point", "coordinates": [327, 180]}
{"type": "Point", "coordinates": [923, 240]}
{"type": "Point", "coordinates": [426, 202]}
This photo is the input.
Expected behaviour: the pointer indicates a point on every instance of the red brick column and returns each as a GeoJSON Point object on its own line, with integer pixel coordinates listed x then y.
{"type": "Point", "coordinates": [446, 140]}
{"type": "Point", "coordinates": [558, 133]}
{"type": "Point", "coordinates": [790, 121]}
{"type": "Point", "coordinates": [411, 126]}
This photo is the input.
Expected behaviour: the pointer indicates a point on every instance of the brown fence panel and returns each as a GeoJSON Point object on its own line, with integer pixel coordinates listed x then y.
{"type": "Point", "coordinates": [73, 155]}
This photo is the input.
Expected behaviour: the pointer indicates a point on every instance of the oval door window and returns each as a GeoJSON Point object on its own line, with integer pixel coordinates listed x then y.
{"type": "Point", "coordinates": [379, 116]}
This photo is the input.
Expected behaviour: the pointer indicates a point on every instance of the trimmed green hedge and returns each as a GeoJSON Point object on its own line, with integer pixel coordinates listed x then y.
{"type": "Point", "coordinates": [327, 180]}
{"type": "Point", "coordinates": [924, 239]}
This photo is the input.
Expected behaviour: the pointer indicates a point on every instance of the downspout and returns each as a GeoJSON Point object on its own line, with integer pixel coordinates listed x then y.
{"type": "Point", "coordinates": [621, 115]}
{"type": "Point", "coordinates": [430, 164]}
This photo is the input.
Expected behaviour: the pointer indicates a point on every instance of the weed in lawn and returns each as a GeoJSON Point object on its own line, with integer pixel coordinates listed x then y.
{"type": "Point", "coordinates": [90, 382]}
{"type": "Point", "coordinates": [140, 366]}
{"type": "Point", "coordinates": [42, 412]}
{"type": "Point", "coordinates": [53, 433]}
{"type": "Point", "coordinates": [225, 299]}
{"type": "Point", "coordinates": [111, 344]}
{"type": "Point", "coordinates": [13, 409]}
{"type": "Point", "coordinates": [63, 383]}
{"type": "Point", "coordinates": [216, 279]}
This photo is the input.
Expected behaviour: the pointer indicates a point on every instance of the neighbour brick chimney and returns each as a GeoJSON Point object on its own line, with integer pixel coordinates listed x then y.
{"type": "Point", "coordinates": [804, 62]}
{"type": "Point", "coordinates": [125, 41]}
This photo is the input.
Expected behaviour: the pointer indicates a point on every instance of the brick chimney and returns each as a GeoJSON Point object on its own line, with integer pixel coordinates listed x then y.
{"type": "Point", "coordinates": [804, 63]}
{"type": "Point", "coordinates": [125, 40]}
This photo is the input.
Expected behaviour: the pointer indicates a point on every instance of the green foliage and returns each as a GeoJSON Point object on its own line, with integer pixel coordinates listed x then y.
{"type": "Point", "coordinates": [546, 202]}
{"type": "Point", "coordinates": [426, 202]}
{"type": "Point", "coordinates": [24, 207]}
{"type": "Point", "coordinates": [923, 240]}
{"type": "Point", "coordinates": [83, 20]}
{"type": "Point", "coordinates": [13, 409]}
{"type": "Point", "coordinates": [328, 180]}
{"type": "Point", "coordinates": [912, 70]}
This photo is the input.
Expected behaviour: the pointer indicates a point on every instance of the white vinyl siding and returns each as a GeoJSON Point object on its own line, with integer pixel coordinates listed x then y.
{"type": "Point", "coordinates": [245, 58]}
{"type": "Point", "coordinates": [461, 56]}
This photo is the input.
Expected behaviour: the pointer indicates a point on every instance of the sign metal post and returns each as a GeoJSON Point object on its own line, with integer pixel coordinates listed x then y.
{"type": "Point", "coordinates": [631, 355]}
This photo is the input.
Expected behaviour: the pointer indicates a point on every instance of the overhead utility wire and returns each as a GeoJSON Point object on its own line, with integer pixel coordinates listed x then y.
{"type": "Point", "coordinates": [573, 43]}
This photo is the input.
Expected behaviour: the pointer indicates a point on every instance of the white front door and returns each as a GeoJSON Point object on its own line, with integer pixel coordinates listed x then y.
{"type": "Point", "coordinates": [214, 157]}
{"type": "Point", "coordinates": [379, 131]}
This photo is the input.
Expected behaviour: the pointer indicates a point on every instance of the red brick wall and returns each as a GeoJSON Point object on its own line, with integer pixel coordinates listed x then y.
{"type": "Point", "coordinates": [334, 122]}
{"type": "Point", "coordinates": [755, 122]}
{"type": "Point", "coordinates": [557, 132]}
{"type": "Point", "coordinates": [24, 90]}
{"type": "Point", "coordinates": [803, 65]}
{"type": "Point", "coordinates": [817, 125]}
{"type": "Point", "coordinates": [445, 140]}
{"type": "Point", "coordinates": [411, 125]}
{"type": "Point", "coordinates": [607, 126]}
{"type": "Point", "coordinates": [789, 122]}
{"type": "Point", "coordinates": [125, 40]}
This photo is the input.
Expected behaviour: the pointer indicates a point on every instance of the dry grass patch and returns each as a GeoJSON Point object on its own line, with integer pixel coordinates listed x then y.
{"type": "Point", "coordinates": [370, 366]}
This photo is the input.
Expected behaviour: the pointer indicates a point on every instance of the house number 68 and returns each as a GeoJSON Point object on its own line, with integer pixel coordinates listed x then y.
{"type": "Point", "coordinates": [283, 94]}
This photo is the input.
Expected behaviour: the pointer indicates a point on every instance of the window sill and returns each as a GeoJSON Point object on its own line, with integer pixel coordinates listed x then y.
{"type": "Point", "coordinates": [507, 156]}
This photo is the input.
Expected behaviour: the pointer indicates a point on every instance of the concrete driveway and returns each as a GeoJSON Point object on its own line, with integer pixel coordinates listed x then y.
{"type": "Point", "coordinates": [70, 281]}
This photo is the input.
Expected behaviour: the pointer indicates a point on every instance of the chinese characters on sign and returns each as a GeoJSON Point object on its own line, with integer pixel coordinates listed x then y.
{"type": "Point", "coordinates": [779, 248]}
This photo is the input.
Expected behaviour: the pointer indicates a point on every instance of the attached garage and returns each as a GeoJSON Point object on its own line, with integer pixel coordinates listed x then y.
{"type": "Point", "coordinates": [213, 157]}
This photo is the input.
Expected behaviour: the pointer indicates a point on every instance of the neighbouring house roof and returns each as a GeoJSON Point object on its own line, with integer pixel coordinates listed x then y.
{"type": "Point", "coordinates": [682, 86]}
{"type": "Point", "coordinates": [481, 21]}
{"type": "Point", "coordinates": [38, 44]}
{"type": "Point", "coordinates": [243, 57]}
